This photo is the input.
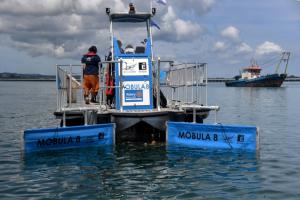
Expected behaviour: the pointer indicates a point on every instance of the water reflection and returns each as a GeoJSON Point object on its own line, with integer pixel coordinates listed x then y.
{"type": "Point", "coordinates": [80, 156]}
{"type": "Point", "coordinates": [155, 172]}
{"type": "Point", "coordinates": [216, 171]}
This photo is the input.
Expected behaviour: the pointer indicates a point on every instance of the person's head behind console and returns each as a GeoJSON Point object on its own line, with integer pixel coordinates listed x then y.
{"type": "Point", "coordinates": [129, 49]}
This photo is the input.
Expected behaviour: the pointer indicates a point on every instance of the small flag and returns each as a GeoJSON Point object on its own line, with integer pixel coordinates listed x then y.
{"type": "Point", "coordinates": [152, 23]}
{"type": "Point", "coordinates": [163, 2]}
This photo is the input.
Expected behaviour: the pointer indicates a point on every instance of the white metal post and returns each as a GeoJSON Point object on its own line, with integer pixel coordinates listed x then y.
{"type": "Point", "coordinates": [150, 36]}
{"type": "Point", "coordinates": [193, 73]}
{"type": "Point", "coordinates": [81, 89]}
{"type": "Point", "coordinates": [57, 89]}
{"type": "Point", "coordinates": [216, 116]}
{"type": "Point", "coordinates": [121, 85]}
{"type": "Point", "coordinates": [70, 86]}
{"type": "Point", "coordinates": [194, 115]}
{"type": "Point", "coordinates": [64, 118]}
{"type": "Point", "coordinates": [111, 39]}
{"type": "Point", "coordinates": [99, 95]}
{"type": "Point", "coordinates": [205, 84]}
{"type": "Point", "coordinates": [85, 117]}
{"type": "Point", "coordinates": [201, 82]}
{"type": "Point", "coordinates": [158, 85]}
{"type": "Point", "coordinates": [185, 83]}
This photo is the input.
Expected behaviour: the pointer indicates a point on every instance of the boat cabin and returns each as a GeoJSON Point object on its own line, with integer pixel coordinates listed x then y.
{"type": "Point", "coordinates": [133, 67]}
{"type": "Point", "coordinates": [251, 72]}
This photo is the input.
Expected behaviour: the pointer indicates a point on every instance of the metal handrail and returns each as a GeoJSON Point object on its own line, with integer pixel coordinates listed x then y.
{"type": "Point", "coordinates": [65, 78]}
{"type": "Point", "coordinates": [187, 81]}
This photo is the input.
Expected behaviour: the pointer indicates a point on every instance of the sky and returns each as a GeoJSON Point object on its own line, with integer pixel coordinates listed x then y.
{"type": "Point", "coordinates": [226, 34]}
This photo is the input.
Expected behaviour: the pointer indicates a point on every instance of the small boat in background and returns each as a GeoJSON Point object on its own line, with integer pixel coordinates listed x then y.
{"type": "Point", "coordinates": [250, 76]}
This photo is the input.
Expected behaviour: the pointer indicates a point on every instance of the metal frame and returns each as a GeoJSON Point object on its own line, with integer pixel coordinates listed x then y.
{"type": "Point", "coordinates": [65, 79]}
{"type": "Point", "coordinates": [184, 78]}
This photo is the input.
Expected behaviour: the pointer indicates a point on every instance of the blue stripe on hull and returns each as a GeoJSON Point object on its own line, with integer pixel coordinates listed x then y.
{"type": "Point", "coordinates": [212, 136]}
{"type": "Point", "coordinates": [68, 137]}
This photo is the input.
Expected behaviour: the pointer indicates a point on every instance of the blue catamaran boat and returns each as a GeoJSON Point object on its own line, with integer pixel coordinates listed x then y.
{"type": "Point", "coordinates": [133, 104]}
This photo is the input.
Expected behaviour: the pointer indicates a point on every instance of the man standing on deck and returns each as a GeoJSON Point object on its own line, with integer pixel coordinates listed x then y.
{"type": "Point", "coordinates": [91, 74]}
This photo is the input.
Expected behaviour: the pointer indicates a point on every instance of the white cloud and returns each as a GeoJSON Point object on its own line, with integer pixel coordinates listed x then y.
{"type": "Point", "coordinates": [268, 48]}
{"type": "Point", "coordinates": [220, 46]}
{"type": "Point", "coordinates": [59, 51]}
{"type": "Point", "coordinates": [65, 28]}
{"type": "Point", "coordinates": [244, 48]}
{"type": "Point", "coordinates": [232, 46]}
{"type": "Point", "coordinates": [231, 33]}
{"type": "Point", "coordinates": [206, 4]}
{"type": "Point", "coordinates": [175, 29]}
{"type": "Point", "coordinates": [5, 26]}
{"type": "Point", "coordinates": [186, 29]}
{"type": "Point", "coordinates": [88, 5]}
{"type": "Point", "coordinates": [41, 27]}
{"type": "Point", "coordinates": [170, 15]}
{"type": "Point", "coordinates": [22, 7]}
{"type": "Point", "coordinates": [198, 7]}
{"type": "Point", "coordinates": [54, 7]}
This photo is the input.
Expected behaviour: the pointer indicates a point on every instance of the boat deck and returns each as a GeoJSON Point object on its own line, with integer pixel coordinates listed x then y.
{"type": "Point", "coordinates": [183, 98]}
{"type": "Point", "coordinates": [133, 125]}
{"type": "Point", "coordinates": [101, 109]}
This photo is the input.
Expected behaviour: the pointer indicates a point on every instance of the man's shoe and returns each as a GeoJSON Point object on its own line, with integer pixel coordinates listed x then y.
{"type": "Point", "coordinates": [93, 100]}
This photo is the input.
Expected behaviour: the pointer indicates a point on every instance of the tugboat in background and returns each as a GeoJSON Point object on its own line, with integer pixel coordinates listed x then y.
{"type": "Point", "coordinates": [250, 76]}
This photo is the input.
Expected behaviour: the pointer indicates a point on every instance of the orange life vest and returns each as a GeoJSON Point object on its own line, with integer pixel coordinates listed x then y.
{"type": "Point", "coordinates": [109, 82]}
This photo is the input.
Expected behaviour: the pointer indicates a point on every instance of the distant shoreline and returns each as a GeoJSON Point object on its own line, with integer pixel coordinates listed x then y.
{"type": "Point", "coordinates": [212, 80]}
{"type": "Point", "coordinates": [25, 79]}
{"type": "Point", "coordinates": [6, 76]}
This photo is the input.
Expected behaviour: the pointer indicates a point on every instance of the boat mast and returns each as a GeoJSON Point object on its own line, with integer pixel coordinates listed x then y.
{"type": "Point", "coordinates": [107, 10]}
{"type": "Point", "coordinates": [149, 29]}
{"type": "Point", "coordinates": [149, 32]}
{"type": "Point", "coordinates": [285, 58]}
{"type": "Point", "coordinates": [253, 62]}
{"type": "Point", "coordinates": [111, 39]}
{"type": "Point", "coordinates": [278, 65]}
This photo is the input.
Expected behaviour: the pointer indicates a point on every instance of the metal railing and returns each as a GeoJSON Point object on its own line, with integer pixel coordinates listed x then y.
{"type": "Point", "coordinates": [186, 83]}
{"type": "Point", "coordinates": [69, 81]}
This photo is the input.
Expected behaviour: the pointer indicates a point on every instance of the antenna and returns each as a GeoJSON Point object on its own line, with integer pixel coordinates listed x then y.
{"type": "Point", "coordinates": [253, 62]}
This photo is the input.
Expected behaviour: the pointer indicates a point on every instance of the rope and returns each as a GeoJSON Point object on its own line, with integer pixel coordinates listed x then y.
{"type": "Point", "coordinates": [270, 61]}
{"type": "Point", "coordinates": [225, 137]}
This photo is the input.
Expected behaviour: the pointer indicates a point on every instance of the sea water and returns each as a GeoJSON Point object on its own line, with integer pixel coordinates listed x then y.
{"type": "Point", "coordinates": [154, 172]}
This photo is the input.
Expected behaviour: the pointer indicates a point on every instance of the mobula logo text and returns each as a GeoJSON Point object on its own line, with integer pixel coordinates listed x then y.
{"type": "Point", "coordinates": [58, 141]}
{"type": "Point", "coordinates": [197, 136]}
{"type": "Point", "coordinates": [136, 86]}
